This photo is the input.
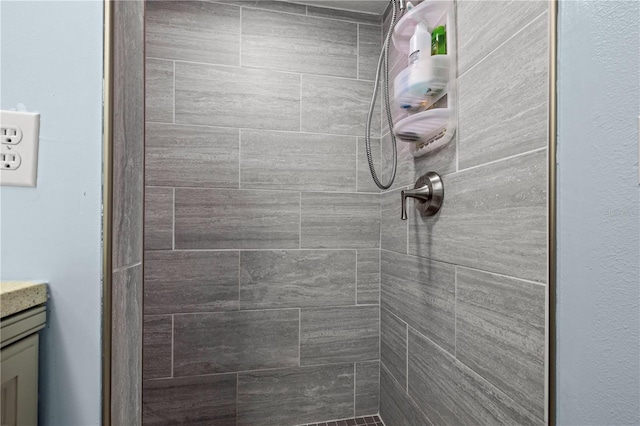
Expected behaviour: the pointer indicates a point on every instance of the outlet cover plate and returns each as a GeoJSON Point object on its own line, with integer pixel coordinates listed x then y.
{"type": "Point", "coordinates": [20, 134]}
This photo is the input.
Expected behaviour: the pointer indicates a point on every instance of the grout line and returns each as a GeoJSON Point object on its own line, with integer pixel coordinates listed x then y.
{"type": "Point", "coordinates": [306, 12]}
{"type": "Point", "coordinates": [468, 267]}
{"type": "Point", "coordinates": [239, 158]}
{"type": "Point", "coordinates": [356, 283]}
{"type": "Point", "coordinates": [240, 38]}
{"type": "Point", "coordinates": [406, 375]}
{"type": "Point", "coordinates": [457, 146]}
{"type": "Point", "coordinates": [284, 191]}
{"type": "Point", "coordinates": [237, 394]}
{"type": "Point", "coordinates": [351, 11]}
{"type": "Point", "coordinates": [239, 276]}
{"type": "Point", "coordinates": [154, 379]}
{"type": "Point", "coordinates": [300, 111]}
{"type": "Point", "coordinates": [354, 389]}
{"type": "Point", "coordinates": [174, 92]}
{"type": "Point", "coordinates": [358, 51]}
{"type": "Point", "coordinates": [299, 336]}
{"type": "Point", "coordinates": [546, 12]}
{"type": "Point", "coordinates": [173, 219]}
{"type": "Point", "coordinates": [261, 249]}
{"type": "Point", "coordinates": [300, 222]}
{"type": "Point", "coordinates": [276, 308]}
{"type": "Point", "coordinates": [172, 341]}
{"type": "Point", "coordinates": [455, 311]}
{"type": "Point", "coordinates": [357, 161]}
{"type": "Point", "coordinates": [249, 67]}
{"type": "Point", "coordinates": [257, 130]}
{"type": "Point", "coordinates": [489, 163]}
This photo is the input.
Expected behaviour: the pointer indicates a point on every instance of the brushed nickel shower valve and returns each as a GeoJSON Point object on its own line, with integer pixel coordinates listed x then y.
{"type": "Point", "coordinates": [429, 191]}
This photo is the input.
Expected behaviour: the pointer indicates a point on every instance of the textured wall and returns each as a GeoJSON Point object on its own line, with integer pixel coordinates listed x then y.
{"type": "Point", "coordinates": [598, 318]}
{"type": "Point", "coordinates": [262, 227]}
{"type": "Point", "coordinates": [52, 232]}
{"type": "Point", "coordinates": [463, 293]}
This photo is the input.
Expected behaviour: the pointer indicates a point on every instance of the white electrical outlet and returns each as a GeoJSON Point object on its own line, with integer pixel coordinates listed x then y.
{"type": "Point", "coordinates": [19, 136]}
{"type": "Point", "coordinates": [10, 161]}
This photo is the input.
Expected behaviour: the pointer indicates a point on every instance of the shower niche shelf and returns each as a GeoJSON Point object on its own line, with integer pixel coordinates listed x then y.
{"type": "Point", "coordinates": [427, 83]}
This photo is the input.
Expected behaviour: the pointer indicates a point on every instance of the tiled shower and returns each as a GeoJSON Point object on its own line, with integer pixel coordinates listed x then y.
{"type": "Point", "coordinates": [280, 285]}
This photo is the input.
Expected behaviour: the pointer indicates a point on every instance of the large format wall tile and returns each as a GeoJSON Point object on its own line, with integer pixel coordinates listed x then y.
{"type": "Point", "coordinates": [369, 47]}
{"type": "Point", "coordinates": [368, 277]}
{"type": "Point", "coordinates": [235, 341]}
{"type": "Point", "coordinates": [396, 408]}
{"type": "Point", "coordinates": [198, 31]}
{"type": "Point", "coordinates": [190, 281]}
{"type": "Point", "coordinates": [450, 393]}
{"type": "Point", "coordinates": [493, 218]}
{"type": "Point", "coordinates": [485, 25]}
{"type": "Point", "coordinates": [158, 218]}
{"type": "Point", "coordinates": [367, 388]}
{"type": "Point", "coordinates": [127, 132]}
{"type": "Point", "coordinates": [305, 44]}
{"type": "Point", "coordinates": [126, 350]}
{"type": "Point", "coordinates": [298, 161]}
{"type": "Point", "coordinates": [393, 230]}
{"type": "Point", "coordinates": [125, 217]}
{"type": "Point", "coordinates": [498, 120]}
{"type": "Point", "coordinates": [345, 334]}
{"type": "Point", "coordinates": [500, 334]}
{"type": "Point", "coordinates": [393, 345]}
{"type": "Point", "coordinates": [159, 90]}
{"type": "Point", "coordinates": [157, 338]}
{"type": "Point", "coordinates": [205, 400]}
{"type": "Point", "coordinates": [228, 219]}
{"type": "Point", "coordinates": [294, 278]}
{"type": "Point", "coordinates": [340, 220]}
{"type": "Point", "coordinates": [295, 395]}
{"type": "Point", "coordinates": [178, 155]}
{"type": "Point", "coordinates": [421, 293]}
{"type": "Point", "coordinates": [236, 97]}
{"type": "Point", "coordinates": [337, 106]}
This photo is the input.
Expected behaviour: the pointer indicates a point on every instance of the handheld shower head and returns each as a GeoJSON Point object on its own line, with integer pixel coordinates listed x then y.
{"type": "Point", "coordinates": [401, 5]}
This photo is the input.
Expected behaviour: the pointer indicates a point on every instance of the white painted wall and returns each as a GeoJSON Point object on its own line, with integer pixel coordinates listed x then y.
{"type": "Point", "coordinates": [51, 61]}
{"type": "Point", "coordinates": [598, 319]}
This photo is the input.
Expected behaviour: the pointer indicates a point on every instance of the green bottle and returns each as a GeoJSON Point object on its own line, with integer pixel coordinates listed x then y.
{"type": "Point", "coordinates": [439, 41]}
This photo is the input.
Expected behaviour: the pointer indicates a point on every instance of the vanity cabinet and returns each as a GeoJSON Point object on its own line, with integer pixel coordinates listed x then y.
{"type": "Point", "coordinates": [19, 366]}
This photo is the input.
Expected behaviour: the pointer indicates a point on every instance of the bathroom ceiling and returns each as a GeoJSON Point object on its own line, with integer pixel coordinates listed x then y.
{"type": "Point", "coordinates": [367, 6]}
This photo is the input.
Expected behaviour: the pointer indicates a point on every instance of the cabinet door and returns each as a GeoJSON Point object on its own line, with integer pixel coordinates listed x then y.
{"type": "Point", "coordinates": [19, 365]}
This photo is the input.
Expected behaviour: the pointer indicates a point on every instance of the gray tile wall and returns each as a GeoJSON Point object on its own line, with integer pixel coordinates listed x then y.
{"type": "Point", "coordinates": [262, 261]}
{"type": "Point", "coordinates": [463, 293]}
{"type": "Point", "coordinates": [127, 216]}
{"type": "Point", "coordinates": [281, 279]}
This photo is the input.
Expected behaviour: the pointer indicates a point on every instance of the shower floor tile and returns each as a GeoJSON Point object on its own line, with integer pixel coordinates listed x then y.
{"type": "Point", "coordinates": [356, 421]}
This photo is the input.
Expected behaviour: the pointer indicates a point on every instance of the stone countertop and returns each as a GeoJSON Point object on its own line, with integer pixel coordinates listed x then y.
{"type": "Point", "coordinates": [17, 296]}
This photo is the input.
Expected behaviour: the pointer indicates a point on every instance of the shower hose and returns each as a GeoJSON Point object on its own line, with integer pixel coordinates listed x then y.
{"type": "Point", "coordinates": [383, 67]}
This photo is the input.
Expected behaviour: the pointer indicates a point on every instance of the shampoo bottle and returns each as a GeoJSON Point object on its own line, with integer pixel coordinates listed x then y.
{"type": "Point", "coordinates": [419, 44]}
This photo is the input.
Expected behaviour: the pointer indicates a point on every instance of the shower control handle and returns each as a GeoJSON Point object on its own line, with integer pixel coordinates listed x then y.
{"type": "Point", "coordinates": [423, 194]}
{"type": "Point", "coordinates": [428, 191]}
